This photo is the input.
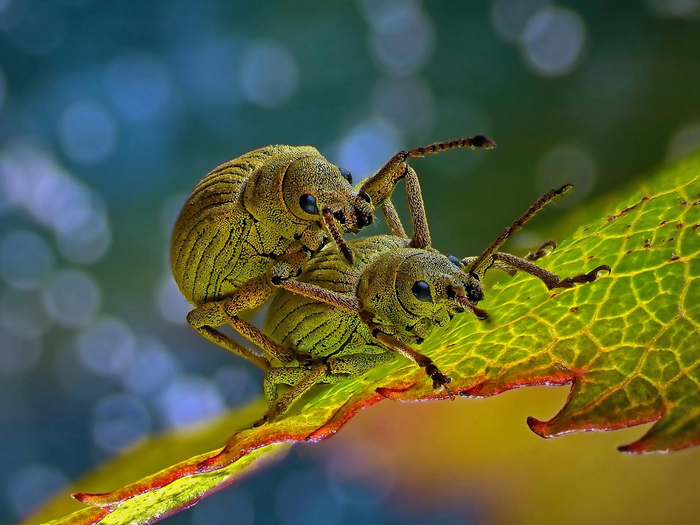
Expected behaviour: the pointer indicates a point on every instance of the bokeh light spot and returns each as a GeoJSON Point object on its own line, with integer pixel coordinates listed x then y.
{"type": "Point", "coordinates": [237, 385]}
{"type": "Point", "coordinates": [22, 315]}
{"type": "Point", "coordinates": [268, 74]}
{"type": "Point", "coordinates": [72, 298]}
{"type": "Point", "coordinates": [31, 485]}
{"type": "Point", "coordinates": [510, 17]}
{"type": "Point", "coordinates": [88, 243]}
{"type": "Point", "coordinates": [675, 8]}
{"type": "Point", "coordinates": [107, 347]}
{"type": "Point", "coordinates": [406, 102]}
{"type": "Point", "coordinates": [153, 369]}
{"type": "Point", "coordinates": [118, 421]}
{"type": "Point", "coordinates": [684, 141]}
{"type": "Point", "coordinates": [294, 507]}
{"type": "Point", "coordinates": [188, 400]}
{"type": "Point", "coordinates": [172, 305]}
{"type": "Point", "coordinates": [139, 86]}
{"type": "Point", "coordinates": [403, 37]}
{"type": "Point", "coordinates": [553, 41]}
{"type": "Point", "coordinates": [87, 132]}
{"type": "Point", "coordinates": [366, 147]}
{"type": "Point", "coordinates": [26, 260]}
{"type": "Point", "coordinates": [232, 506]}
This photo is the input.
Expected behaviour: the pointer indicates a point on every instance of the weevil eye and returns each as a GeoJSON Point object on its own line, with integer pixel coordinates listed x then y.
{"type": "Point", "coordinates": [307, 203]}
{"type": "Point", "coordinates": [421, 290]}
{"type": "Point", "coordinates": [346, 174]}
{"type": "Point", "coordinates": [455, 261]}
{"type": "Point", "coordinates": [365, 197]}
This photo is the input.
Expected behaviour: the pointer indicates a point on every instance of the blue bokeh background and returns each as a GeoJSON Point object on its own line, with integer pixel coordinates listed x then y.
{"type": "Point", "coordinates": [111, 111]}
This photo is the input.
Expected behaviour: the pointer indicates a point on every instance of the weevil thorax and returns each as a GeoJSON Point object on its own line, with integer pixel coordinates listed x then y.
{"type": "Point", "coordinates": [414, 290]}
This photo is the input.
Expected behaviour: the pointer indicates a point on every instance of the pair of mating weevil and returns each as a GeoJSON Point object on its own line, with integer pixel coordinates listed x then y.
{"type": "Point", "coordinates": [263, 221]}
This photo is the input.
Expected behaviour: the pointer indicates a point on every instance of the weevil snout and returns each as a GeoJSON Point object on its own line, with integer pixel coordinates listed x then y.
{"type": "Point", "coordinates": [354, 216]}
{"type": "Point", "coordinates": [467, 296]}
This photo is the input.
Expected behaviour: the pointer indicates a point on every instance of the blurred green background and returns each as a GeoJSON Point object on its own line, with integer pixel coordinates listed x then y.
{"type": "Point", "coordinates": [111, 111]}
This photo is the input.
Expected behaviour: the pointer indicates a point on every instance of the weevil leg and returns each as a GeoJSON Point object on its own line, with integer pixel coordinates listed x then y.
{"type": "Point", "coordinates": [309, 378]}
{"type": "Point", "coordinates": [207, 316]}
{"type": "Point", "coordinates": [344, 302]}
{"type": "Point", "coordinates": [550, 279]}
{"type": "Point", "coordinates": [440, 380]}
{"type": "Point", "coordinates": [258, 338]}
{"type": "Point", "coordinates": [498, 265]}
{"type": "Point", "coordinates": [250, 294]}
{"type": "Point", "coordinates": [392, 219]}
{"type": "Point", "coordinates": [335, 370]}
{"type": "Point", "coordinates": [381, 185]}
{"type": "Point", "coordinates": [543, 251]}
{"type": "Point", "coordinates": [481, 264]}
{"type": "Point", "coordinates": [350, 365]}
{"type": "Point", "coordinates": [421, 232]}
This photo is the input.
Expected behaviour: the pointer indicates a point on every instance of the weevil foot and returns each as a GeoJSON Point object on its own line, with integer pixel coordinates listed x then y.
{"type": "Point", "coordinates": [440, 380]}
{"type": "Point", "coordinates": [589, 277]}
{"type": "Point", "coordinates": [542, 251]}
{"type": "Point", "coordinates": [305, 359]}
{"type": "Point", "coordinates": [269, 417]}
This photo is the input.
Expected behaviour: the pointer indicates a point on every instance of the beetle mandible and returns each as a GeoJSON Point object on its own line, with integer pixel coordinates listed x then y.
{"type": "Point", "coordinates": [252, 224]}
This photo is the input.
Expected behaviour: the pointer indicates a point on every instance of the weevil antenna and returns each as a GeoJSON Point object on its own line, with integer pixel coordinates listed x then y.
{"type": "Point", "coordinates": [478, 141]}
{"type": "Point", "coordinates": [332, 228]}
{"type": "Point", "coordinates": [485, 260]}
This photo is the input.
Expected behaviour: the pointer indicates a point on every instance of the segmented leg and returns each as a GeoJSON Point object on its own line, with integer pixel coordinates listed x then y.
{"type": "Point", "coordinates": [259, 338]}
{"type": "Point", "coordinates": [482, 263]}
{"type": "Point", "coordinates": [353, 305]}
{"type": "Point", "coordinates": [344, 302]}
{"type": "Point", "coordinates": [381, 185]}
{"type": "Point", "coordinates": [309, 377]}
{"type": "Point", "coordinates": [205, 317]}
{"type": "Point", "coordinates": [498, 265]}
{"type": "Point", "coordinates": [440, 380]}
{"type": "Point", "coordinates": [392, 219]}
{"type": "Point", "coordinates": [421, 232]}
{"type": "Point", "coordinates": [335, 370]}
{"type": "Point", "coordinates": [543, 251]}
{"type": "Point", "coordinates": [550, 279]}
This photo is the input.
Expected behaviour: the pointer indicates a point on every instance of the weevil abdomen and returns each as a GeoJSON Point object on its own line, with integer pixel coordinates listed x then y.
{"type": "Point", "coordinates": [217, 243]}
{"type": "Point", "coordinates": [317, 328]}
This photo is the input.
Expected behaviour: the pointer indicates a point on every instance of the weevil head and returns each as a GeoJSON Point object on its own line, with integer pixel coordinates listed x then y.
{"type": "Point", "coordinates": [298, 194]}
{"type": "Point", "coordinates": [430, 281]}
{"type": "Point", "coordinates": [312, 186]}
{"type": "Point", "coordinates": [414, 289]}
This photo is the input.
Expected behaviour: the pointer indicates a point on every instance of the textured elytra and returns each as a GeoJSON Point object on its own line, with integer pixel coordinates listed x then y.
{"type": "Point", "coordinates": [629, 345]}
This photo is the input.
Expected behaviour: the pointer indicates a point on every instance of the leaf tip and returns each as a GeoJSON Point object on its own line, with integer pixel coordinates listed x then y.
{"type": "Point", "coordinates": [541, 428]}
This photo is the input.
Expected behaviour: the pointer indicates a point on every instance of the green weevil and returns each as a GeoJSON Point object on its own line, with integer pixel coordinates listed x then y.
{"type": "Point", "coordinates": [397, 292]}
{"type": "Point", "coordinates": [252, 224]}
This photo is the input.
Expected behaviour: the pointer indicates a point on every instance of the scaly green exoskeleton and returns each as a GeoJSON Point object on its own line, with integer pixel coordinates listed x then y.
{"type": "Point", "coordinates": [397, 292]}
{"type": "Point", "coordinates": [252, 224]}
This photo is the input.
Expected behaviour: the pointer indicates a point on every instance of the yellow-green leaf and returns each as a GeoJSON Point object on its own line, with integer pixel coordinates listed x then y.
{"type": "Point", "coordinates": [628, 344]}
